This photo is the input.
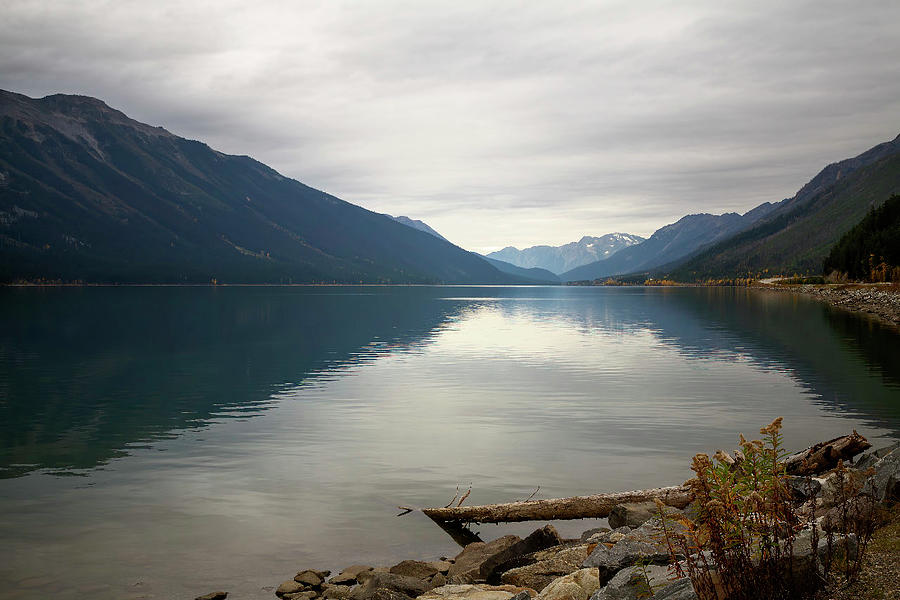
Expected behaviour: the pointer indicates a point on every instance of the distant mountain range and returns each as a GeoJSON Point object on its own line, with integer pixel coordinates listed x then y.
{"type": "Point", "coordinates": [528, 275]}
{"type": "Point", "coordinates": [793, 235]}
{"type": "Point", "coordinates": [669, 243]}
{"type": "Point", "coordinates": [88, 194]}
{"type": "Point", "coordinates": [798, 234]}
{"type": "Point", "coordinates": [559, 259]}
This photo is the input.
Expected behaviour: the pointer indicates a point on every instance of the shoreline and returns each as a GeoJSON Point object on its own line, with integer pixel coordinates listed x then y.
{"type": "Point", "coordinates": [618, 562]}
{"type": "Point", "coordinates": [880, 301]}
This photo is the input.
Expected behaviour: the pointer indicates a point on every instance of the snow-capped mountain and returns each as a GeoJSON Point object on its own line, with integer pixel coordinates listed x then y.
{"type": "Point", "coordinates": [559, 259]}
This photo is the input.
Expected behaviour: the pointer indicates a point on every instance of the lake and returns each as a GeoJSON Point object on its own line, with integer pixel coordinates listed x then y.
{"type": "Point", "coordinates": [162, 442]}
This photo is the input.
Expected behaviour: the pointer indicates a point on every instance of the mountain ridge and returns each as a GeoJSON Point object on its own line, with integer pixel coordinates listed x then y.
{"type": "Point", "coordinates": [89, 194]}
{"type": "Point", "coordinates": [798, 235]}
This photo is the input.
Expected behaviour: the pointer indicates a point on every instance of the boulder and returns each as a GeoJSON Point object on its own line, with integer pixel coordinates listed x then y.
{"type": "Point", "coordinates": [467, 564]}
{"type": "Point", "coordinates": [349, 575]}
{"type": "Point", "coordinates": [586, 536]}
{"type": "Point", "coordinates": [289, 587]}
{"type": "Point", "coordinates": [636, 514]}
{"type": "Point", "coordinates": [492, 568]}
{"type": "Point", "coordinates": [213, 596]}
{"type": "Point", "coordinates": [625, 553]}
{"type": "Point", "coordinates": [438, 580]}
{"type": "Point", "coordinates": [868, 459]}
{"type": "Point", "coordinates": [574, 586]}
{"type": "Point", "coordinates": [643, 544]}
{"type": "Point", "coordinates": [414, 568]}
{"type": "Point", "coordinates": [635, 583]}
{"type": "Point", "coordinates": [548, 565]}
{"type": "Point", "coordinates": [372, 581]}
{"type": "Point", "coordinates": [478, 591]}
{"type": "Point", "coordinates": [857, 513]}
{"type": "Point", "coordinates": [304, 595]}
{"type": "Point", "coordinates": [309, 578]}
{"type": "Point", "coordinates": [680, 589]}
{"type": "Point", "coordinates": [842, 547]}
{"type": "Point", "coordinates": [803, 488]}
{"type": "Point", "coordinates": [335, 592]}
{"type": "Point", "coordinates": [386, 594]}
{"type": "Point", "coordinates": [884, 485]}
{"type": "Point", "coordinates": [441, 566]}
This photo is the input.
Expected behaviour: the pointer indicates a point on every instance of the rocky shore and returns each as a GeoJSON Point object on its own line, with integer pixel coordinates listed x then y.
{"type": "Point", "coordinates": [879, 300]}
{"type": "Point", "coordinates": [626, 561]}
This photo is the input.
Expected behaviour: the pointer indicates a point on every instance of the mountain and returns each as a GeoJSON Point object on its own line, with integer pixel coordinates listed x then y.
{"type": "Point", "coordinates": [534, 274]}
{"type": "Point", "coordinates": [798, 235]}
{"type": "Point", "coordinates": [87, 193]}
{"type": "Point", "coordinates": [417, 224]}
{"type": "Point", "coordinates": [871, 250]}
{"type": "Point", "coordinates": [669, 243]}
{"type": "Point", "coordinates": [559, 259]}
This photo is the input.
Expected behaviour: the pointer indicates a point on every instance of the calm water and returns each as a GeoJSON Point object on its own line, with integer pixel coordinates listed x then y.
{"type": "Point", "coordinates": [164, 442]}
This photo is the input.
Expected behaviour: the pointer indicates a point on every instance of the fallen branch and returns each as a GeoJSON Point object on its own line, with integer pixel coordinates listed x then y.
{"type": "Point", "coordinates": [578, 507]}
{"type": "Point", "coordinates": [825, 455]}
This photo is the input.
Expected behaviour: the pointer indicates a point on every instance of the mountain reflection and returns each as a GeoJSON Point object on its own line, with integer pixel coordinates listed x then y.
{"type": "Point", "coordinates": [87, 373]}
{"type": "Point", "coordinates": [84, 373]}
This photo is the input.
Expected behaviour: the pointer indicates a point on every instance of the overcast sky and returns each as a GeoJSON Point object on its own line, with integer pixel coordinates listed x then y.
{"type": "Point", "coordinates": [497, 123]}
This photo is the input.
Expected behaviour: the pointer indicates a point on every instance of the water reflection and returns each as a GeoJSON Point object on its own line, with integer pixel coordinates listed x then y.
{"type": "Point", "coordinates": [87, 374]}
{"type": "Point", "coordinates": [229, 436]}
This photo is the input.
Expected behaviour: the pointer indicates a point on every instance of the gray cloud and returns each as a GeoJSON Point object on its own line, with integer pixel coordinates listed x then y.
{"type": "Point", "coordinates": [498, 123]}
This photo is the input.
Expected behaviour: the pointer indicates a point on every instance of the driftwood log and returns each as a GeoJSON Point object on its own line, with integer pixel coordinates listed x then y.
{"type": "Point", "coordinates": [815, 459]}
{"type": "Point", "coordinates": [577, 507]}
{"type": "Point", "coordinates": [825, 455]}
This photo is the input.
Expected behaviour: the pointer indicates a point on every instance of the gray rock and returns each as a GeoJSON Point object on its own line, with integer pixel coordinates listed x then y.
{"type": "Point", "coordinates": [441, 566]}
{"type": "Point", "coordinates": [309, 578]}
{"type": "Point", "coordinates": [467, 564]}
{"type": "Point", "coordinates": [372, 581]}
{"type": "Point", "coordinates": [349, 575]}
{"type": "Point", "coordinates": [636, 514]}
{"type": "Point", "coordinates": [856, 513]}
{"type": "Point", "coordinates": [574, 586]}
{"type": "Point", "coordinates": [640, 545]}
{"type": "Point", "coordinates": [213, 596]}
{"type": "Point", "coordinates": [586, 536]}
{"type": "Point", "coordinates": [476, 591]}
{"type": "Point", "coordinates": [868, 459]}
{"type": "Point", "coordinates": [414, 568]}
{"type": "Point", "coordinates": [289, 587]}
{"type": "Point", "coordinates": [884, 485]}
{"type": "Point", "coordinates": [841, 546]}
{"type": "Point", "coordinates": [680, 589]}
{"type": "Point", "coordinates": [493, 567]}
{"type": "Point", "coordinates": [548, 565]}
{"type": "Point", "coordinates": [624, 553]}
{"type": "Point", "coordinates": [634, 583]}
{"type": "Point", "coordinates": [386, 594]}
{"type": "Point", "coordinates": [336, 592]}
{"type": "Point", "coordinates": [804, 488]}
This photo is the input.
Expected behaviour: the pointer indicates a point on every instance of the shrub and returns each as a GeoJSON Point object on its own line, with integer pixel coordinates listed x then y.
{"type": "Point", "coordinates": [743, 541]}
